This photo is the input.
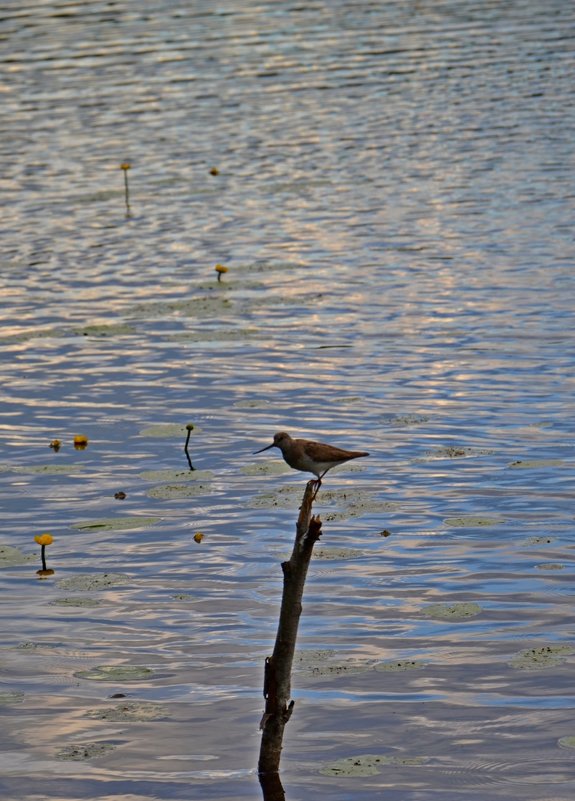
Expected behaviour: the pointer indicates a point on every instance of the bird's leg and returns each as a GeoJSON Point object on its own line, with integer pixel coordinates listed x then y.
{"type": "Point", "coordinates": [318, 483]}
{"type": "Point", "coordinates": [317, 486]}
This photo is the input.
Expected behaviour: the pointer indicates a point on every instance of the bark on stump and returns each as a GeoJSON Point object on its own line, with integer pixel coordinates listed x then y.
{"type": "Point", "coordinates": [278, 667]}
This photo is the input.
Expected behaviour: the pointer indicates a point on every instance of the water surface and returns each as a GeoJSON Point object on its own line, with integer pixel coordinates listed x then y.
{"type": "Point", "coordinates": [394, 203]}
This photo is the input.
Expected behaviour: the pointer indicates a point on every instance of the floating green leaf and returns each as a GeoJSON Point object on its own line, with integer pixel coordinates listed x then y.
{"type": "Point", "coordinates": [77, 602]}
{"type": "Point", "coordinates": [115, 673]}
{"type": "Point", "coordinates": [176, 475]}
{"type": "Point", "coordinates": [116, 523]}
{"type": "Point", "coordinates": [457, 611]}
{"type": "Point", "coordinates": [535, 464]}
{"type": "Point", "coordinates": [471, 521]}
{"type": "Point", "coordinates": [10, 556]}
{"type": "Point", "coordinates": [265, 469]}
{"type": "Point", "coordinates": [93, 581]}
{"type": "Point", "coordinates": [166, 431]}
{"type": "Point", "coordinates": [539, 540]}
{"type": "Point", "coordinates": [456, 452]}
{"type": "Point", "coordinates": [368, 764]}
{"type": "Point", "coordinates": [328, 554]}
{"type": "Point", "coordinates": [176, 491]}
{"type": "Point", "coordinates": [79, 752]}
{"type": "Point", "coordinates": [542, 657]}
{"type": "Point", "coordinates": [46, 469]}
{"type": "Point", "coordinates": [105, 330]}
{"type": "Point", "coordinates": [8, 697]}
{"type": "Point", "coordinates": [399, 666]}
{"type": "Point", "coordinates": [132, 710]}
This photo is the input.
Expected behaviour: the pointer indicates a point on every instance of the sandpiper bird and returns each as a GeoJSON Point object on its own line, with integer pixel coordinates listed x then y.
{"type": "Point", "coordinates": [309, 456]}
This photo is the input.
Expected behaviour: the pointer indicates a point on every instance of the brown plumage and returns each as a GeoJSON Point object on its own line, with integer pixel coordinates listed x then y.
{"type": "Point", "coordinates": [309, 456]}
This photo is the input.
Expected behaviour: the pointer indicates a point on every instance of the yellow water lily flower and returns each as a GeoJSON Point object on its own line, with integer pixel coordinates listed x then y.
{"type": "Point", "coordinates": [80, 442]}
{"type": "Point", "coordinates": [220, 269]}
{"type": "Point", "coordinates": [198, 537]}
{"type": "Point", "coordinates": [44, 539]}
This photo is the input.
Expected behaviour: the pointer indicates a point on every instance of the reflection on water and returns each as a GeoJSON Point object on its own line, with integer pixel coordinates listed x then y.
{"type": "Point", "coordinates": [392, 196]}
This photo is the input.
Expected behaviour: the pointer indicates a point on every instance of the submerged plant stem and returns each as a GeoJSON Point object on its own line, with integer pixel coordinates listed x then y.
{"type": "Point", "coordinates": [127, 193]}
{"type": "Point", "coordinates": [186, 447]}
{"type": "Point", "coordinates": [125, 166]}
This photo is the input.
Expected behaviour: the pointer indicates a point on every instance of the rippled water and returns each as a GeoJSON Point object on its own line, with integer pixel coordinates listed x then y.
{"type": "Point", "coordinates": [394, 203]}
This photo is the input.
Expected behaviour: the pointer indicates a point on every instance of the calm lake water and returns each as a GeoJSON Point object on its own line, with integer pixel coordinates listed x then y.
{"type": "Point", "coordinates": [393, 198]}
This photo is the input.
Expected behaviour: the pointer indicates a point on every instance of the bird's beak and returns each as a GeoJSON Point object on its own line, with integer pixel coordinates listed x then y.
{"type": "Point", "coordinates": [265, 449]}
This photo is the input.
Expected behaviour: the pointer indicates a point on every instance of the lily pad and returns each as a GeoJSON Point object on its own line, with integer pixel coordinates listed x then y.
{"type": "Point", "coordinates": [94, 581]}
{"type": "Point", "coordinates": [269, 266]}
{"type": "Point", "coordinates": [105, 330]}
{"type": "Point", "coordinates": [318, 663]}
{"type": "Point", "coordinates": [268, 468]}
{"type": "Point", "coordinates": [457, 452]}
{"type": "Point", "coordinates": [116, 523]}
{"type": "Point", "coordinates": [79, 752]}
{"type": "Point", "coordinates": [368, 764]}
{"type": "Point", "coordinates": [193, 307]}
{"type": "Point", "coordinates": [10, 556]}
{"type": "Point", "coordinates": [289, 300]}
{"type": "Point", "coordinates": [77, 602]}
{"type": "Point", "coordinates": [312, 660]}
{"type": "Point", "coordinates": [369, 506]}
{"type": "Point", "coordinates": [31, 645]}
{"type": "Point", "coordinates": [471, 521]}
{"type": "Point", "coordinates": [8, 697]}
{"type": "Point", "coordinates": [551, 566]}
{"type": "Point", "coordinates": [399, 666]}
{"type": "Point", "coordinates": [409, 419]}
{"type": "Point", "coordinates": [115, 673]}
{"type": "Point", "coordinates": [37, 333]}
{"type": "Point", "coordinates": [284, 498]}
{"type": "Point", "coordinates": [133, 710]}
{"type": "Point", "coordinates": [539, 540]}
{"type": "Point", "coordinates": [313, 655]}
{"type": "Point", "coordinates": [176, 475]}
{"type": "Point", "coordinates": [211, 335]}
{"type": "Point", "coordinates": [346, 400]}
{"type": "Point", "coordinates": [534, 464]}
{"type": "Point", "coordinates": [175, 491]}
{"type": "Point", "coordinates": [253, 403]}
{"type": "Point", "coordinates": [167, 431]}
{"type": "Point", "coordinates": [328, 554]}
{"type": "Point", "coordinates": [48, 469]}
{"type": "Point", "coordinates": [541, 658]}
{"type": "Point", "coordinates": [567, 742]}
{"type": "Point", "coordinates": [355, 503]}
{"type": "Point", "coordinates": [458, 611]}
